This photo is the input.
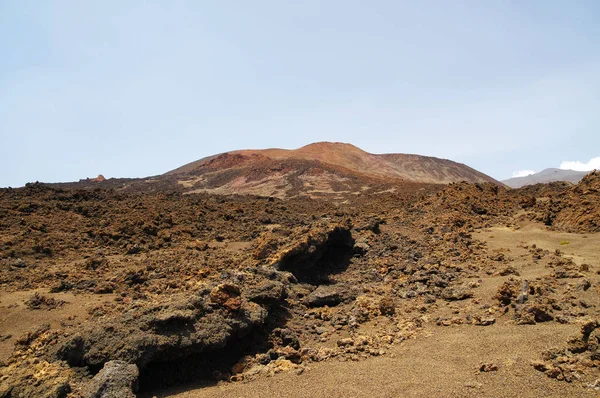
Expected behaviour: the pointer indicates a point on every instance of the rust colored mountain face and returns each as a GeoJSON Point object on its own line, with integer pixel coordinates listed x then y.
{"type": "Point", "coordinates": [322, 167]}
{"type": "Point", "coordinates": [334, 170]}
{"type": "Point", "coordinates": [256, 174]}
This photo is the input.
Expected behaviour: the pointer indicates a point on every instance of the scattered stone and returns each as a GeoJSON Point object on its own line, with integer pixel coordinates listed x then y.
{"type": "Point", "coordinates": [117, 379]}
{"type": "Point", "coordinates": [387, 306]}
{"type": "Point", "coordinates": [539, 365]}
{"type": "Point", "coordinates": [554, 373]}
{"type": "Point", "coordinates": [458, 293]}
{"type": "Point", "coordinates": [588, 327]}
{"type": "Point", "coordinates": [510, 270]}
{"type": "Point", "coordinates": [488, 367]}
{"type": "Point", "coordinates": [227, 295]}
{"type": "Point", "coordinates": [348, 341]}
{"type": "Point", "coordinates": [39, 301]}
{"type": "Point", "coordinates": [267, 292]}
{"type": "Point", "coordinates": [483, 321]}
{"type": "Point", "coordinates": [321, 330]}
{"type": "Point", "coordinates": [361, 248]}
{"type": "Point", "coordinates": [371, 225]}
{"type": "Point", "coordinates": [285, 337]}
{"type": "Point", "coordinates": [473, 384]}
{"type": "Point", "coordinates": [535, 313]}
{"type": "Point", "coordinates": [324, 295]}
{"type": "Point", "coordinates": [19, 263]}
{"type": "Point", "coordinates": [584, 285]}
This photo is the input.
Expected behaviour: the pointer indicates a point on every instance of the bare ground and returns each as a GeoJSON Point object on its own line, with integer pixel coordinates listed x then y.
{"type": "Point", "coordinates": [445, 361]}
{"type": "Point", "coordinates": [452, 291]}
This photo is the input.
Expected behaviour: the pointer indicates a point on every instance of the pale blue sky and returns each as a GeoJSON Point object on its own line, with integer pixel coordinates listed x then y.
{"type": "Point", "coordinates": [136, 88]}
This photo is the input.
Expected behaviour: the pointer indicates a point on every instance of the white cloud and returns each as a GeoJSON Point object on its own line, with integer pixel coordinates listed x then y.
{"type": "Point", "coordinates": [523, 173]}
{"type": "Point", "coordinates": [594, 163]}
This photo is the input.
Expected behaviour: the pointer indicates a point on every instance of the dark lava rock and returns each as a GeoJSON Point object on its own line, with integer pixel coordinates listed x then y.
{"type": "Point", "coordinates": [371, 225]}
{"type": "Point", "coordinates": [285, 337]}
{"type": "Point", "coordinates": [166, 331]}
{"type": "Point", "coordinates": [361, 248]}
{"type": "Point", "coordinates": [267, 292]}
{"type": "Point", "coordinates": [456, 293]}
{"type": "Point", "coordinates": [484, 321]}
{"type": "Point", "coordinates": [18, 263]}
{"type": "Point", "coordinates": [534, 313]}
{"type": "Point", "coordinates": [324, 295]}
{"type": "Point", "coordinates": [488, 367]}
{"type": "Point", "coordinates": [117, 379]}
{"type": "Point", "coordinates": [584, 285]}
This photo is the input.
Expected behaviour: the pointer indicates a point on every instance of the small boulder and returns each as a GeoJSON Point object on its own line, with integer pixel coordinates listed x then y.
{"type": "Point", "coordinates": [268, 292]}
{"type": "Point", "coordinates": [227, 295]}
{"type": "Point", "coordinates": [488, 367]}
{"type": "Point", "coordinates": [285, 337]}
{"type": "Point", "coordinates": [584, 285]}
{"type": "Point", "coordinates": [539, 313]}
{"type": "Point", "coordinates": [19, 263]}
{"type": "Point", "coordinates": [540, 365]}
{"type": "Point", "coordinates": [117, 379]}
{"type": "Point", "coordinates": [387, 306]}
{"type": "Point", "coordinates": [479, 321]}
{"type": "Point", "coordinates": [456, 293]}
{"type": "Point", "coordinates": [324, 295]}
{"type": "Point", "coordinates": [360, 248]}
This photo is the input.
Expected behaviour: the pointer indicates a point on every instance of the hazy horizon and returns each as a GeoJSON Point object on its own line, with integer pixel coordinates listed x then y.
{"type": "Point", "coordinates": [134, 89]}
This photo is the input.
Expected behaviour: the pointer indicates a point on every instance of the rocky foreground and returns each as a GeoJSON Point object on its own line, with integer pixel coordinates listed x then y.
{"type": "Point", "coordinates": [141, 292]}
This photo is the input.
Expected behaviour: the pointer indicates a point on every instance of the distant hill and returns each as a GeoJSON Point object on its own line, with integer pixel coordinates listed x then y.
{"type": "Point", "coordinates": [545, 176]}
{"type": "Point", "coordinates": [316, 170]}
{"type": "Point", "coordinates": [413, 168]}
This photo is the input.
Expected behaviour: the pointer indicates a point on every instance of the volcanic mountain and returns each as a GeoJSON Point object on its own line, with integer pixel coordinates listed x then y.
{"type": "Point", "coordinates": [323, 169]}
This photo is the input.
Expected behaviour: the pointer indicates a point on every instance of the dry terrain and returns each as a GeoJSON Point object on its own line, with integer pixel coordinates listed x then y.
{"type": "Point", "coordinates": [416, 289]}
{"type": "Point", "coordinates": [445, 361]}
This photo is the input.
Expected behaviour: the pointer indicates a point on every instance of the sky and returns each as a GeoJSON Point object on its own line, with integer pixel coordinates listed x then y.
{"type": "Point", "coordinates": [137, 88]}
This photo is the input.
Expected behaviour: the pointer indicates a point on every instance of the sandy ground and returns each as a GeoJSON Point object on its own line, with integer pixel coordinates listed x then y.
{"type": "Point", "coordinates": [441, 363]}
{"type": "Point", "coordinates": [438, 362]}
{"type": "Point", "coordinates": [16, 319]}
{"type": "Point", "coordinates": [582, 248]}
{"type": "Point", "coordinates": [444, 361]}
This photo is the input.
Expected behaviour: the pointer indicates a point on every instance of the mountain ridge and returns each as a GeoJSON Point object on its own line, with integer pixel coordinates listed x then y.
{"type": "Point", "coordinates": [330, 170]}
{"type": "Point", "coordinates": [408, 167]}
{"type": "Point", "coordinates": [546, 176]}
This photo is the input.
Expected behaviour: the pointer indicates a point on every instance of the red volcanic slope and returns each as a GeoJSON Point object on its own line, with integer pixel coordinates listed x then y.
{"type": "Point", "coordinates": [414, 168]}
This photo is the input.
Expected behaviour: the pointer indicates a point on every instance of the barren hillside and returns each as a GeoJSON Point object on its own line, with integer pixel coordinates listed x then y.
{"type": "Point", "coordinates": [413, 168]}
{"type": "Point", "coordinates": [335, 171]}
